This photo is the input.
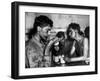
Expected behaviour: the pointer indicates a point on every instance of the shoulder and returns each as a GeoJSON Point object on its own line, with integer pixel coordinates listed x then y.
{"type": "Point", "coordinates": [30, 46]}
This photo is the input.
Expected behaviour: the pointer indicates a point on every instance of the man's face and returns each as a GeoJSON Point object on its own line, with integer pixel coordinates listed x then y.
{"type": "Point", "coordinates": [44, 32]}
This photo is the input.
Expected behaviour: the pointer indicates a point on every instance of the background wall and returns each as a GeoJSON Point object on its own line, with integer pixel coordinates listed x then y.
{"type": "Point", "coordinates": [59, 20]}
{"type": "Point", "coordinates": [5, 40]}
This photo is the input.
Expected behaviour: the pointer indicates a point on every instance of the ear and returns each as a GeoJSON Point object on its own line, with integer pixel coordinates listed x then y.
{"type": "Point", "coordinates": [38, 28]}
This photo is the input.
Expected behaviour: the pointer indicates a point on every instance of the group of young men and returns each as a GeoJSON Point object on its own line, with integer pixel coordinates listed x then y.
{"type": "Point", "coordinates": [59, 51]}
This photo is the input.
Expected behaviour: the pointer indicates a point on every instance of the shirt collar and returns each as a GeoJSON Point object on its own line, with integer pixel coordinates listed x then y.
{"type": "Point", "coordinates": [37, 40]}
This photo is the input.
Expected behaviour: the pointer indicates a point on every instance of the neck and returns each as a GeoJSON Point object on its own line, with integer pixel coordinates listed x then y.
{"type": "Point", "coordinates": [39, 39]}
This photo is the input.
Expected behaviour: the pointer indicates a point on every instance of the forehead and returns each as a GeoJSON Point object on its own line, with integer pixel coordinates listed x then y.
{"type": "Point", "coordinates": [46, 27]}
{"type": "Point", "coordinates": [73, 29]}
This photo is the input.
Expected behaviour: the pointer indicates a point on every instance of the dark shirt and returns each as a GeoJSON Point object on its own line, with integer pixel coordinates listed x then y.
{"type": "Point", "coordinates": [67, 48]}
{"type": "Point", "coordinates": [78, 51]}
{"type": "Point", "coordinates": [59, 52]}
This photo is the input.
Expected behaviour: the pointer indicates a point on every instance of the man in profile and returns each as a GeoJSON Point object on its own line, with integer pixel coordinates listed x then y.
{"type": "Point", "coordinates": [36, 45]}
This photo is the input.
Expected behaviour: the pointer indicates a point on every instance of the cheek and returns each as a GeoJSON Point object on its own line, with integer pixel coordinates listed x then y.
{"type": "Point", "coordinates": [43, 32]}
{"type": "Point", "coordinates": [46, 33]}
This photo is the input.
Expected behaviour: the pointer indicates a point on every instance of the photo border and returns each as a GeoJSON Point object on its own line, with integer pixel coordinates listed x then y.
{"type": "Point", "coordinates": [15, 39]}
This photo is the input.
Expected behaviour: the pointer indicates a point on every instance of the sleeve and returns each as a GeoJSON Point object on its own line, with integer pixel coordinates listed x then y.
{"type": "Point", "coordinates": [32, 57]}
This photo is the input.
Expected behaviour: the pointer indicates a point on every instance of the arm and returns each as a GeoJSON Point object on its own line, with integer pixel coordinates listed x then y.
{"type": "Point", "coordinates": [32, 57]}
{"type": "Point", "coordinates": [73, 48]}
{"type": "Point", "coordinates": [47, 54]}
{"type": "Point", "coordinates": [86, 48]}
{"type": "Point", "coordinates": [47, 50]}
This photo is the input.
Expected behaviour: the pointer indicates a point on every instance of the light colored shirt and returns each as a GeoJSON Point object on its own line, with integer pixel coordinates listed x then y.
{"type": "Point", "coordinates": [34, 53]}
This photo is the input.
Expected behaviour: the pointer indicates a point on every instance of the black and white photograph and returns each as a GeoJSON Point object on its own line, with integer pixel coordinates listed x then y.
{"type": "Point", "coordinates": [56, 40]}
{"type": "Point", "coordinates": [53, 40]}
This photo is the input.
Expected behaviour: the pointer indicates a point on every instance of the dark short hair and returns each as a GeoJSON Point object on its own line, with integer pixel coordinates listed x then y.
{"type": "Point", "coordinates": [41, 21]}
{"type": "Point", "coordinates": [60, 34]}
{"type": "Point", "coordinates": [74, 26]}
